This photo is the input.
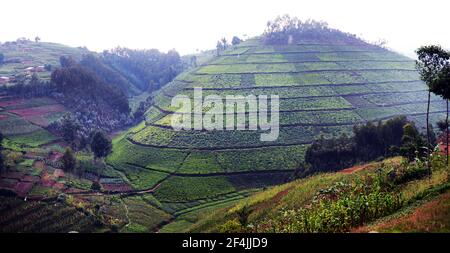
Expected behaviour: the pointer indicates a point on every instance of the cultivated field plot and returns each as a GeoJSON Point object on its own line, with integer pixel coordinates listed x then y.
{"type": "Point", "coordinates": [24, 120]}
{"type": "Point", "coordinates": [40, 217]}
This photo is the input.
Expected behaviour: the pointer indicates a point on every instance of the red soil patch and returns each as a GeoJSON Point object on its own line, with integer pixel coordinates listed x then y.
{"type": "Point", "coordinates": [39, 165]}
{"type": "Point", "coordinates": [117, 187]}
{"type": "Point", "coordinates": [11, 102]}
{"type": "Point", "coordinates": [354, 168]}
{"type": "Point", "coordinates": [38, 111]}
{"type": "Point", "coordinates": [29, 178]}
{"type": "Point", "coordinates": [281, 194]}
{"type": "Point", "coordinates": [442, 148]}
{"type": "Point", "coordinates": [47, 179]}
{"type": "Point", "coordinates": [55, 156]}
{"type": "Point", "coordinates": [23, 188]}
{"type": "Point", "coordinates": [13, 175]}
{"type": "Point", "coordinates": [433, 216]}
{"type": "Point", "coordinates": [275, 199]}
{"type": "Point", "coordinates": [58, 173]}
{"type": "Point", "coordinates": [48, 182]}
{"type": "Point", "coordinates": [59, 186]}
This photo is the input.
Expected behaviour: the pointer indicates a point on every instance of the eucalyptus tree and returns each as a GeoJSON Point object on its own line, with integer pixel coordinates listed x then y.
{"type": "Point", "coordinates": [442, 88]}
{"type": "Point", "coordinates": [431, 60]}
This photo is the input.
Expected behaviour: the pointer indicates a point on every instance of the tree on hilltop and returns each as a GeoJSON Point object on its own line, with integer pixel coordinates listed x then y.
{"type": "Point", "coordinates": [236, 40]}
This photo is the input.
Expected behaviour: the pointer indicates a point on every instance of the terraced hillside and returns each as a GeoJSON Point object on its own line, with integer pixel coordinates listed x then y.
{"type": "Point", "coordinates": [324, 90]}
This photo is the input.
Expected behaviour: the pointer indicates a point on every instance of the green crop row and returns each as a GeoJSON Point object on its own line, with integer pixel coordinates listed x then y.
{"type": "Point", "coordinates": [142, 216]}
{"type": "Point", "coordinates": [271, 158]}
{"type": "Point", "coordinates": [162, 159]}
{"type": "Point", "coordinates": [235, 139]}
{"type": "Point", "coordinates": [391, 111]}
{"type": "Point", "coordinates": [388, 75]}
{"type": "Point", "coordinates": [247, 68]}
{"type": "Point", "coordinates": [187, 189]}
{"type": "Point", "coordinates": [201, 162]}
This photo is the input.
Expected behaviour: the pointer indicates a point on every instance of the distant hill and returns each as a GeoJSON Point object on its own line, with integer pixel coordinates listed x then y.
{"type": "Point", "coordinates": [24, 57]}
{"type": "Point", "coordinates": [132, 71]}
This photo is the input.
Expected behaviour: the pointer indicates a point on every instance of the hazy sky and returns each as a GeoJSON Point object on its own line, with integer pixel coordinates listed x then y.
{"type": "Point", "coordinates": [197, 24]}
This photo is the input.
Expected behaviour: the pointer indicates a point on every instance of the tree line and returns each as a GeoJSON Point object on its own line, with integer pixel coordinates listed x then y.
{"type": "Point", "coordinates": [284, 30]}
{"type": "Point", "coordinates": [148, 70]}
{"type": "Point", "coordinates": [370, 141]}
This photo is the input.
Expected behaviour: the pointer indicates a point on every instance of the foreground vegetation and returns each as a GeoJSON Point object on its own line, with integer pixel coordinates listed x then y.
{"type": "Point", "coordinates": [336, 202]}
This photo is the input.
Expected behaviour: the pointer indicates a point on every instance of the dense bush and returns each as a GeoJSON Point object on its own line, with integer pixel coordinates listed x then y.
{"type": "Point", "coordinates": [369, 142]}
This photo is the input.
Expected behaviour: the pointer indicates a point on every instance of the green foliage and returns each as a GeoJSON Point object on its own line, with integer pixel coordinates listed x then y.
{"type": "Point", "coordinates": [75, 81]}
{"type": "Point", "coordinates": [369, 141]}
{"type": "Point", "coordinates": [2, 160]}
{"type": "Point", "coordinates": [353, 207]}
{"type": "Point", "coordinates": [69, 161]}
{"type": "Point", "coordinates": [148, 70]}
{"type": "Point", "coordinates": [143, 217]}
{"type": "Point", "coordinates": [286, 30]}
{"type": "Point", "coordinates": [414, 145]}
{"type": "Point", "coordinates": [160, 159]}
{"type": "Point", "coordinates": [100, 144]}
{"type": "Point", "coordinates": [231, 226]}
{"type": "Point", "coordinates": [14, 125]}
{"type": "Point", "coordinates": [431, 59]}
{"type": "Point", "coordinates": [96, 186]}
{"type": "Point", "coordinates": [69, 128]}
{"type": "Point", "coordinates": [108, 74]}
{"type": "Point", "coordinates": [33, 139]}
{"type": "Point", "coordinates": [40, 217]}
{"type": "Point", "coordinates": [183, 189]}
{"type": "Point", "coordinates": [235, 41]}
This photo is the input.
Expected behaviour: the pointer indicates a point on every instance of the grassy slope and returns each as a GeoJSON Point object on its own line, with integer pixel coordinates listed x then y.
{"type": "Point", "coordinates": [423, 211]}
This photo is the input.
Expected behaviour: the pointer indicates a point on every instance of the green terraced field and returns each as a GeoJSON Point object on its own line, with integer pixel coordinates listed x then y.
{"type": "Point", "coordinates": [323, 89]}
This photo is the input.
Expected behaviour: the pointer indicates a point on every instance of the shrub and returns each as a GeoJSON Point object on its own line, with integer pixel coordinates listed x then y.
{"type": "Point", "coordinates": [231, 226]}
{"type": "Point", "coordinates": [96, 186]}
